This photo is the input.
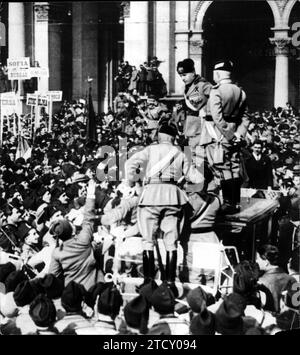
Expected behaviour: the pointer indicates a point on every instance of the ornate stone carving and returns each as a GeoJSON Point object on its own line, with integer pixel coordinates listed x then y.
{"type": "Point", "coordinates": [281, 4]}
{"type": "Point", "coordinates": [42, 11]}
{"type": "Point", "coordinates": [126, 8]}
{"type": "Point", "coordinates": [197, 9]}
{"type": "Point", "coordinates": [281, 45]}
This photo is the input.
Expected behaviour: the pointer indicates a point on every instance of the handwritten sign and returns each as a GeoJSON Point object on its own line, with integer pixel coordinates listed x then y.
{"type": "Point", "coordinates": [39, 72]}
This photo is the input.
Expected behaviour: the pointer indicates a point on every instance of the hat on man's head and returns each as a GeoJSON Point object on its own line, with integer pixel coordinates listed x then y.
{"type": "Point", "coordinates": [168, 128]}
{"type": "Point", "coordinates": [225, 65]}
{"type": "Point", "coordinates": [186, 66]}
{"type": "Point", "coordinates": [5, 270]}
{"type": "Point", "coordinates": [110, 302]}
{"type": "Point", "coordinates": [24, 229]}
{"type": "Point", "coordinates": [197, 297]}
{"type": "Point", "coordinates": [147, 290]}
{"type": "Point", "coordinates": [52, 286]}
{"type": "Point", "coordinates": [72, 297]}
{"type": "Point", "coordinates": [62, 229]}
{"type": "Point", "coordinates": [13, 280]}
{"type": "Point", "coordinates": [94, 291]}
{"type": "Point", "coordinates": [136, 314]}
{"type": "Point", "coordinates": [229, 315]}
{"type": "Point", "coordinates": [203, 323]}
{"type": "Point", "coordinates": [163, 299]}
{"type": "Point", "coordinates": [24, 294]}
{"type": "Point", "coordinates": [42, 311]}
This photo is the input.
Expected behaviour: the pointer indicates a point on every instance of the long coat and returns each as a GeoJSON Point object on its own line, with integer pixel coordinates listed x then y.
{"type": "Point", "coordinates": [75, 257]}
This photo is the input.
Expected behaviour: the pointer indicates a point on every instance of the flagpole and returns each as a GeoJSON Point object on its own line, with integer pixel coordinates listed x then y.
{"type": "Point", "coordinates": [14, 124]}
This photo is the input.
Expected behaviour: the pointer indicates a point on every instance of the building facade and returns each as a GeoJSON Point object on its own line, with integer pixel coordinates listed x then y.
{"type": "Point", "coordinates": [77, 40]}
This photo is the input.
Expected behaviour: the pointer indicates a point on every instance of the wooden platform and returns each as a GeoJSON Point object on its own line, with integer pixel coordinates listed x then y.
{"type": "Point", "coordinates": [253, 211]}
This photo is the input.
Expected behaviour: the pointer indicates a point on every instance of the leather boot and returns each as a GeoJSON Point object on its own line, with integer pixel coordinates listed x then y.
{"type": "Point", "coordinates": [148, 268]}
{"type": "Point", "coordinates": [151, 264]}
{"type": "Point", "coordinates": [171, 267]}
{"type": "Point", "coordinates": [229, 191]}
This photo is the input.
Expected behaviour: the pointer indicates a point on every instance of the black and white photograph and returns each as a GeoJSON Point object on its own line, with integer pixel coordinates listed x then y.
{"type": "Point", "coordinates": [150, 170]}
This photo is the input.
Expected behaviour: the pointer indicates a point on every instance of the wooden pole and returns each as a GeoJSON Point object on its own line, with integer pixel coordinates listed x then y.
{"type": "Point", "coordinates": [50, 114]}
{"type": "Point", "coordinates": [14, 124]}
{"type": "Point", "coordinates": [8, 123]}
{"type": "Point", "coordinates": [31, 122]}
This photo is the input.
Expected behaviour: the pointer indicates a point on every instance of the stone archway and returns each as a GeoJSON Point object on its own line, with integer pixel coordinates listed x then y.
{"type": "Point", "coordinates": [240, 31]}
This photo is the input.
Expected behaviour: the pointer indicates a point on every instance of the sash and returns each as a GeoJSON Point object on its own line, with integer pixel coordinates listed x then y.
{"type": "Point", "coordinates": [164, 163]}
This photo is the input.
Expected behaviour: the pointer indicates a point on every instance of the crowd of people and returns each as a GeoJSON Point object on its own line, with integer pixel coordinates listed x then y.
{"type": "Point", "coordinates": [65, 210]}
{"type": "Point", "coordinates": [144, 80]}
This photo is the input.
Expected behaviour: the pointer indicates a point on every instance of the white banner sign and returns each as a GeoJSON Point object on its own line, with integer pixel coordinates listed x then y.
{"type": "Point", "coordinates": [54, 96]}
{"type": "Point", "coordinates": [18, 68]}
{"type": "Point", "coordinates": [39, 72]}
{"type": "Point", "coordinates": [31, 100]}
{"type": "Point", "coordinates": [10, 104]}
{"type": "Point", "coordinates": [21, 63]}
{"type": "Point", "coordinates": [18, 74]}
{"type": "Point", "coordinates": [37, 100]}
{"type": "Point", "coordinates": [43, 101]}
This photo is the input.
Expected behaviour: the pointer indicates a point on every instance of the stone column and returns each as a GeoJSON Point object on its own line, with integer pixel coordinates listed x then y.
{"type": "Point", "coordinates": [41, 37]}
{"type": "Point", "coordinates": [16, 30]}
{"type": "Point", "coordinates": [55, 56]}
{"type": "Point", "coordinates": [181, 40]}
{"type": "Point", "coordinates": [136, 32]}
{"type": "Point", "coordinates": [281, 91]}
{"type": "Point", "coordinates": [85, 50]}
{"type": "Point", "coordinates": [163, 38]}
{"type": "Point", "coordinates": [196, 50]}
{"type": "Point", "coordinates": [16, 35]}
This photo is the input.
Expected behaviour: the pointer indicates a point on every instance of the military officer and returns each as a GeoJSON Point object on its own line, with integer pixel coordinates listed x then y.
{"type": "Point", "coordinates": [196, 94]}
{"type": "Point", "coordinates": [226, 124]}
{"type": "Point", "coordinates": [162, 200]}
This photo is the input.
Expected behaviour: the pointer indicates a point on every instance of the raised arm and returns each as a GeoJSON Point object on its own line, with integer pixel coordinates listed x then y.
{"type": "Point", "coordinates": [86, 234]}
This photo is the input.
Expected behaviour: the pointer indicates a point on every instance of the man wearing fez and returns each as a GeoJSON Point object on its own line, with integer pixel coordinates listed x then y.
{"type": "Point", "coordinates": [196, 94]}
{"type": "Point", "coordinates": [161, 202]}
{"type": "Point", "coordinates": [226, 124]}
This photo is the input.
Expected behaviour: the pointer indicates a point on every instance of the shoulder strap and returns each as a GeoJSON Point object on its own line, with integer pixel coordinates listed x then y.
{"type": "Point", "coordinates": [164, 163]}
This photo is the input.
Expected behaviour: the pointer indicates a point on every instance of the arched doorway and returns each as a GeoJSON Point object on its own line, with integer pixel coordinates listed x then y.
{"type": "Point", "coordinates": [240, 31]}
{"type": "Point", "coordinates": [294, 61]}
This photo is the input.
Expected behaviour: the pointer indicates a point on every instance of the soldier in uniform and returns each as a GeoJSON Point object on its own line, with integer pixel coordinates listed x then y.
{"type": "Point", "coordinates": [162, 200]}
{"type": "Point", "coordinates": [196, 95]}
{"type": "Point", "coordinates": [226, 125]}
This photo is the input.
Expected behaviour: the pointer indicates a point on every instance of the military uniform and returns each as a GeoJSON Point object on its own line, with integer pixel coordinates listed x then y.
{"type": "Point", "coordinates": [196, 95]}
{"type": "Point", "coordinates": [160, 205]}
{"type": "Point", "coordinates": [225, 123]}
{"type": "Point", "coordinates": [195, 99]}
